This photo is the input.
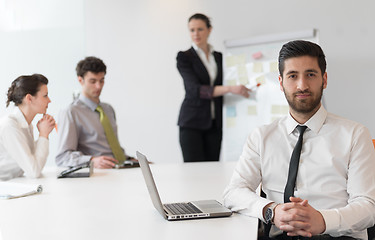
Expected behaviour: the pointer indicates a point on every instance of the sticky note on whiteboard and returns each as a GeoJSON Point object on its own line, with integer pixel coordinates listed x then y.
{"type": "Point", "coordinates": [231, 82]}
{"type": "Point", "coordinates": [241, 70]}
{"type": "Point", "coordinates": [280, 109]}
{"type": "Point", "coordinates": [260, 80]}
{"type": "Point", "coordinates": [230, 61]}
{"type": "Point", "coordinates": [257, 55]}
{"type": "Point", "coordinates": [244, 80]}
{"type": "Point", "coordinates": [258, 67]}
{"type": "Point", "coordinates": [242, 74]}
{"type": "Point", "coordinates": [252, 110]}
{"type": "Point", "coordinates": [231, 111]}
{"type": "Point", "coordinates": [234, 60]}
{"type": "Point", "coordinates": [231, 122]}
{"type": "Point", "coordinates": [274, 67]}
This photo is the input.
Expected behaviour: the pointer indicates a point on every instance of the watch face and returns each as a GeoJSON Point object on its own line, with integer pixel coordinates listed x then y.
{"type": "Point", "coordinates": [269, 214]}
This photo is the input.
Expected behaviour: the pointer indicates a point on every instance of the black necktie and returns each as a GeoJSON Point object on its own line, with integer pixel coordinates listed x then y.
{"type": "Point", "coordinates": [293, 166]}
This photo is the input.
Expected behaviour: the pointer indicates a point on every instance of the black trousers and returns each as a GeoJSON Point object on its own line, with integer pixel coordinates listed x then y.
{"type": "Point", "coordinates": [201, 145]}
{"type": "Point", "coordinates": [317, 237]}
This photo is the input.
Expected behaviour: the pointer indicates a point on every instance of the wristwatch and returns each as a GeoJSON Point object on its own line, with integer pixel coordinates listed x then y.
{"type": "Point", "coordinates": [270, 213]}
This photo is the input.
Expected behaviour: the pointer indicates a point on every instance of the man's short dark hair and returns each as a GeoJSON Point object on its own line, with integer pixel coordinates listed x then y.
{"type": "Point", "coordinates": [301, 48]}
{"type": "Point", "coordinates": [90, 64]}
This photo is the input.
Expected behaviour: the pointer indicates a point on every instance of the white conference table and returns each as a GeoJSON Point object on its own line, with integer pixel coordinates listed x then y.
{"type": "Point", "coordinates": [115, 204]}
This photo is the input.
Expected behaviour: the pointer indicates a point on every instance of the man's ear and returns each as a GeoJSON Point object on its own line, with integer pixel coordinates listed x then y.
{"type": "Point", "coordinates": [325, 80]}
{"type": "Point", "coordinates": [281, 83]}
{"type": "Point", "coordinates": [80, 80]}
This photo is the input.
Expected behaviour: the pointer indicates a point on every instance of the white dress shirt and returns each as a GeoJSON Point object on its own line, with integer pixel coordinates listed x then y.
{"type": "Point", "coordinates": [336, 171]}
{"type": "Point", "coordinates": [211, 67]}
{"type": "Point", "coordinates": [19, 153]}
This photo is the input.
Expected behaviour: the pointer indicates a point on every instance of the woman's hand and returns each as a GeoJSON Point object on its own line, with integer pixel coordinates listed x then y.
{"type": "Point", "coordinates": [46, 125]}
{"type": "Point", "coordinates": [240, 90]}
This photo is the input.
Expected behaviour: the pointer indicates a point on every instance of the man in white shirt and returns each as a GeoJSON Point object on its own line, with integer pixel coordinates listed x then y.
{"type": "Point", "coordinates": [334, 191]}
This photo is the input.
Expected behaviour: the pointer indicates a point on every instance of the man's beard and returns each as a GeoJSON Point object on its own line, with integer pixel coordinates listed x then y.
{"type": "Point", "coordinates": [304, 105]}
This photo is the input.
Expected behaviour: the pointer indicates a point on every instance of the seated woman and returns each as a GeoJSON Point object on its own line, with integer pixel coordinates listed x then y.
{"type": "Point", "coordinates": [19, 153]}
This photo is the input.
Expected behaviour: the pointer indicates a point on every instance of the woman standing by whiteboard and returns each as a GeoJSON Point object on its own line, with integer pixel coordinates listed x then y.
{"type": "Point", "coordinates": [200, 118]}
{"type": "Point", "coordinates": [19, 153]}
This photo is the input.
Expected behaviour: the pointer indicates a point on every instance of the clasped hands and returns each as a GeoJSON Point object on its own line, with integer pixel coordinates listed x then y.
{"type": "Point", "coordinates": [45, 125]}
{"type": "Point", "coordinates": [298, 218]}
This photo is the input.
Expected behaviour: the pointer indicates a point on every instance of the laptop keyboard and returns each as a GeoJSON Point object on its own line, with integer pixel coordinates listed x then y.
{"type": "Point", "coordinates": [182, 208]}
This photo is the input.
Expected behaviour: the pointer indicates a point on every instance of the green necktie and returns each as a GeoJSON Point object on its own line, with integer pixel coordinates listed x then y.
{"type": "Point", "coordinates": [111, 137]}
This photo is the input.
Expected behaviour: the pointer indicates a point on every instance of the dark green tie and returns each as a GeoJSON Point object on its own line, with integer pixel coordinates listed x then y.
{"type": "Point", "coordinates": [293, 166]}
{"type": "Point", "coordinates": [110, 135]}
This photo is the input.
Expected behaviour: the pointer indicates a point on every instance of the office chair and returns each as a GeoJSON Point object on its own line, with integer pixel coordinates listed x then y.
{"type": "Point", "coordinates": [371, 233]}
{"type": "Point", "coordinates": [371, 230]}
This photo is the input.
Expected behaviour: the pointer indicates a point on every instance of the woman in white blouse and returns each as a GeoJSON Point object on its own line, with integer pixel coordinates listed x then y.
{"type": "Point", "coordinates": [19, 153]}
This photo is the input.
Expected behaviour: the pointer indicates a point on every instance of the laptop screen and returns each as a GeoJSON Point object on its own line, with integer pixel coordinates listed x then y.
{"type": "Point", "coordinates": [151, 186]}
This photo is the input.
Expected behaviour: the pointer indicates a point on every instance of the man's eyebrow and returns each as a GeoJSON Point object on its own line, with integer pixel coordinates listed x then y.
{"type": "Point", "coordinates": [94, 79]}
{"type": "Point", "coordinates": [291, 72]}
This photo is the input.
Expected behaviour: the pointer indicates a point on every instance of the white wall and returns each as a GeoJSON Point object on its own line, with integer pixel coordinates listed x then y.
{"type": "Point", "coordinates": [41, 36]}
{"type": "Point", "coordinates": [139, 40]}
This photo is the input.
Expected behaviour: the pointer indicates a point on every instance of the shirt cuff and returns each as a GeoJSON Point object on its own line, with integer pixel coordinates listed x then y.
{"type": "Point", "coordinates": [332, 220]}
{"type": "Point", "coordinates": [260, 205]}
{"type": "Point", "coordinates": [85, 159]}
{"type": "Point", "coordinates": [43, 139]}
{"type": "Point", "coordinates": [206, 92]}
{"type": "Point", "coordinates": [42, 147]}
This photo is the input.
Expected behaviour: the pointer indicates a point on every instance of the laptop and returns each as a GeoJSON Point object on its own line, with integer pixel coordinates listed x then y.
{"type": "Point", "coordinates": [184, 210]}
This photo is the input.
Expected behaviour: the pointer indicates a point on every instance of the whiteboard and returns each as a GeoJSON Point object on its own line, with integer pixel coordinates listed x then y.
{"type": "Point", "coordinates": [253, 62]}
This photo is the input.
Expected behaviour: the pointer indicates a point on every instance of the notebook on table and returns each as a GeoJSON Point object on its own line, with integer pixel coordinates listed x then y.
{"type": "Point", "coordinates": [182, 210]}
{"type": "Point", "coordinates": [9, 190]}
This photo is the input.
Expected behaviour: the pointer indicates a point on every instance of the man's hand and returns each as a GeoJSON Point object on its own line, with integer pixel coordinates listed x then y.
{"type": "Point", "coordinates": [298, 218]}
{"type": "Point", "coordinates": [104, 162]}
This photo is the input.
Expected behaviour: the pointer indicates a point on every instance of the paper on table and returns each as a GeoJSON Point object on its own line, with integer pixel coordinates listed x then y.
{"type": "Point", "coordinates": [9, 190]}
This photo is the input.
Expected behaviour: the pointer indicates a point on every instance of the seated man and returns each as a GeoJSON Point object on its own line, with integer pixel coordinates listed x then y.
{"type": "Point", "coordinates": [316, 168]}
{"type": "Point", "coordinates": [87, 129]}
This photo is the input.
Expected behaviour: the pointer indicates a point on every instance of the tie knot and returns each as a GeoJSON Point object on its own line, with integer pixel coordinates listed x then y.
{"type": "Point", "coordinates": [301, 129]}
{"type": "Point", "coordinates": [99, 109]}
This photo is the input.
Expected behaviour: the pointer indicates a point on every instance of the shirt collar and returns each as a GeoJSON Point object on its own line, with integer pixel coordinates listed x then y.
{"type": "Point", "coordinates": [88, 102]}
{"type": "Point", "coordinates": [198, 49]}
{"type": "Point", "coordinates": [315, 123]}
{"type": "Point", "coordinates": [18, 115]}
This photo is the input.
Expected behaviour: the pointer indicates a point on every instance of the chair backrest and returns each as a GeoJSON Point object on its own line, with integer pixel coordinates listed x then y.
{"type": "Point", "coordinates": [371, 230]}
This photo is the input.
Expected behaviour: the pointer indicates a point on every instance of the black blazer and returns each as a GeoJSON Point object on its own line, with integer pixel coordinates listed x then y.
{"type": "Point", "coordinates": [196, 108]}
